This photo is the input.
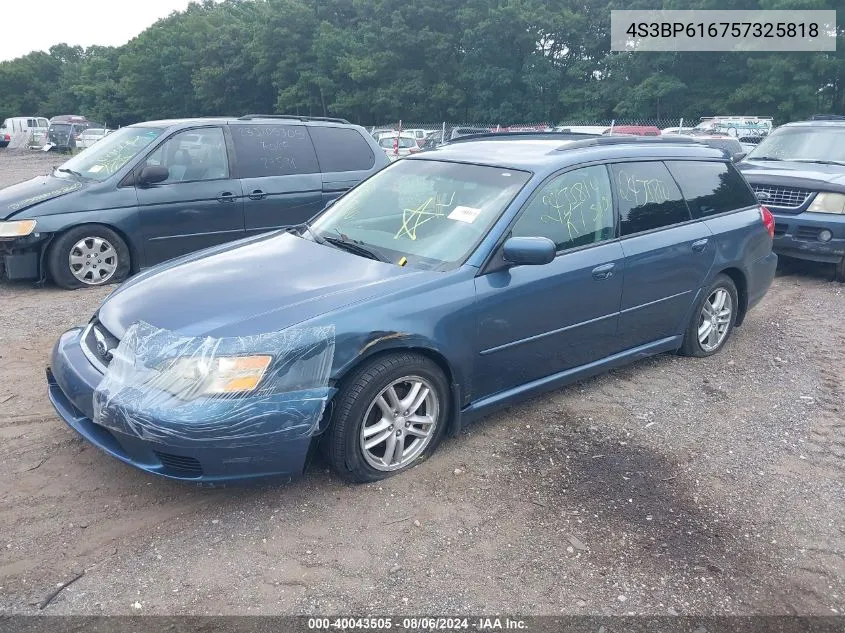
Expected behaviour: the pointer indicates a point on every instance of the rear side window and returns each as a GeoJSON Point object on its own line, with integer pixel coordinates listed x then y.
{"type": "Point", "coordinates": [648, 197]}
{"type": "Point", "coordinates": [341, 149]}
{"type": "Point", "coordinates": [273, 150]}
{"type": "Point", "coordinates": [711, 187]}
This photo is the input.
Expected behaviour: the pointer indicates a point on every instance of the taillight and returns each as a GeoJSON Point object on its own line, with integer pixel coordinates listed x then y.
{"type": "Point", "coordinates": [768, 221]}
{"type": "Point", "coordinates": [7, 137]}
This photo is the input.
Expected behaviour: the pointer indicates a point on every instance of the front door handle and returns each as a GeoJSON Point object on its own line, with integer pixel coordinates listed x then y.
{"type": "Point", "coordinates": [699, 245]}
{"type": "Point", "coordinates": [226, 196]}
{"type": "Point", "coordinates": [257, 194]}
{"type": "Point", "coordinates": [605, 271]}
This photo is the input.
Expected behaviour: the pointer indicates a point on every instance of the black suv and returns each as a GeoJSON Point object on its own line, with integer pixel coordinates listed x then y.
{"type": "Point", "coordinates": [798, 172]}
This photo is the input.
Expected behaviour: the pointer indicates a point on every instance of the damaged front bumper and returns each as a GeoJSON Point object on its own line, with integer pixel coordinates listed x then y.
{"type": "Point", "coordinates": [818, 237]}
{"type": "Point", "coordinates": [22, 257]}
{"type": "Point", "coordinates": [210, 441]}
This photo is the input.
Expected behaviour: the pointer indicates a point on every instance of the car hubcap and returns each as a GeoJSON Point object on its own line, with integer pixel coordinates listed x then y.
{"type": "Point", "coordinates": [93, 260]}
{"type": "Point", "coordinates": [399, 423]}
{"type": "Point", "coordinates": [715, 319]}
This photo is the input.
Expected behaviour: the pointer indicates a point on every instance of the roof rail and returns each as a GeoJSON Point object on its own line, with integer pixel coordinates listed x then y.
{"type": "Point", "coordinates": [560, 136]}
{"type": "Point", "coordinates": [292, 117]}
{"type": "Point", "coordinates": [622, 140]}
{"type": "Point", "coordinates": [827, 117]}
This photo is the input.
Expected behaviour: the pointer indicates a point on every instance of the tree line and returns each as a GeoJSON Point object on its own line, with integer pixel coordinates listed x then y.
{"type": "Point", "coordinates": [372, 61]}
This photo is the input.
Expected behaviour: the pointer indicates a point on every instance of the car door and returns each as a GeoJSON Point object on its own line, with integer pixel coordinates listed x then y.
{"type": "Point", "coordinates": [345, 156]}
{"type": "Point", "coordinates": [199, 205]}
{"type": "Point", "coordinates": [279, 174]}
{"type": "Point", "coordinates": [667, 253]}
{"type": "Point", "coordinates": [534, 321]}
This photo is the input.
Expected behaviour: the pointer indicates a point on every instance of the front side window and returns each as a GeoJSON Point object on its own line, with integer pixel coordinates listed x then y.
{"type": "Point", "coordinates": [431, 213]}
{"type": "Point", "coordinates": [648, 197]}
{"type": "Point", "coordinates": [711, 187]}
{"type": "Point", "coordinates": [193, 156]}
{"type": "Point", "coordinates": [103, 159]}
{"type": "Point", "coordinates": [572, 210]}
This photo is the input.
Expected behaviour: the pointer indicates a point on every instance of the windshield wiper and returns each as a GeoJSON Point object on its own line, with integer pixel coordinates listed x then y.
{"type": "Point", "coordinates": [354, 246]}
{"type": "Point", "coordinates": [819, 161]}
{"type": "Point", "coordinates": [70, 171]}
{"type": "Point", "coordinates": [306, 228]}
{"type": "Point", "coordinates": [772, 158]}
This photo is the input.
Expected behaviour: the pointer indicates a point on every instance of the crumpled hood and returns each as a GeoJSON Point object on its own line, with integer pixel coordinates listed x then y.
{"type": "Point", "coordinates": [808, 175]}
{"type": "Point", "coordinates": [33, 191]}
{"type": "Point", "coordinates": [255, 286]}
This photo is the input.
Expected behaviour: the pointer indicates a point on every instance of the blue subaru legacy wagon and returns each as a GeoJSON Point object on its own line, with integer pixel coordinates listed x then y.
{"type": "Point", "coordinates": [445, 286]}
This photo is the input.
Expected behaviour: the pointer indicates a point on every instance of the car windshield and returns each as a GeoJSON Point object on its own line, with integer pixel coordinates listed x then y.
{"type": "Point", "coordinates": [109, 155]}
{"type": "Point", "coordinates": [431, 213]}
{"type": "Point", "coordinates": [800, 143]}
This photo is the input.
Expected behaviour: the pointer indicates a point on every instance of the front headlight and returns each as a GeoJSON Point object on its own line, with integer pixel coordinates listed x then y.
{"type": "Point", "coordinates": [17, 228]}
{"type": "Point", "coordinates": [189, 378]}
{"type": "Point", "coordinates": [828, 203]}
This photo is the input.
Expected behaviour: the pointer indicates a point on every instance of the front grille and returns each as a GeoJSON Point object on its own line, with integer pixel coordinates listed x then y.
{"type": "Point", "coordinates": [98, 344]}
{"type": "Point", "coordinates": [782, 197]}
{"type": "Point", "coordinates": [180, 465]}
{"type": "Point", "coordinates": [808, 233]}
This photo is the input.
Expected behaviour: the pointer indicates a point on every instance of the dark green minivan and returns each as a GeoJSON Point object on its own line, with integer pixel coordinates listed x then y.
{"type": "Point", "coordinates": [153, 191]}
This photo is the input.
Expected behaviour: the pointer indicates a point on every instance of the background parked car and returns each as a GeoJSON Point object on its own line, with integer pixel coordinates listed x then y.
{"type": "Point", "coordinates": [63, 136]}
{"type": "Point", "coordinates": [91, 135]}
{"type": "Point", "coordinates": [14, 125]}
{"type": "Point", "coordinates": [633, 130]}
{"type": "Point", "coordinates": [798, 171]}
{"type": "Point", "coordinates": [458, 132]}
{"type": "Point", "coordinates": [152, 191]}
{"type": "Point", "coordinates": [397, 146]}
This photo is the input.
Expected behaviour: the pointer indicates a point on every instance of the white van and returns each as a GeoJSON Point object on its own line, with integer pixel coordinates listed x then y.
{"type": "Point", "coordinates": [38, 125]}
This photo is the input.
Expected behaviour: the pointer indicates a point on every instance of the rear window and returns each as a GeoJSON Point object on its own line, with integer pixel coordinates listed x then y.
{"type": "Point", "coordinates": [648, 197]}
{"type": "Point", "coordinates": [711, 187]}
{"type": "Point", "coordinates": [274, 150]}
{"type": "Point", "coordinates": [341, 149]}
{"type": "Point", "coordinates": [60, 127]}
{"type": "Point", "coordinates": [387, 142]}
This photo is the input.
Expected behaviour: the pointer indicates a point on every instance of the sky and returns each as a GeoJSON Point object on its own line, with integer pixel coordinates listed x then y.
{"type": "Point", "coordinates": [100, 22]}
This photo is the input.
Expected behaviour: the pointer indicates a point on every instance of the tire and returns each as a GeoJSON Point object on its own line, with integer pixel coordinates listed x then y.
{"type": "Point", "coordinates": [84, 242]}
{"type": "Point", "coordinates": [840, 271]}
{"type": "Point", "coordinates": [356, 412]}
{"type": "Point", "coordinates": [722, 287]}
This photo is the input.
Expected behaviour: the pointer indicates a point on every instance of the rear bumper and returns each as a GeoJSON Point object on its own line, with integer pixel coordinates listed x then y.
{"type": "Point", "coordinates": [798, 236]}
{"type": "Point", "coordinates": [760, 277]}
{"type": "Point", "coordinates": [72, 380]}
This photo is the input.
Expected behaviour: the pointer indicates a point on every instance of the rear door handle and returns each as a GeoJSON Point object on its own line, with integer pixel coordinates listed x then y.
{"type": "Point", "coordinates": [226, 196]}
{"type": "Point", "coordinates": [699, 245]}
{"type": "Point", "coordinates": [257, 194]}
{"type": "Point", "coordinates": [605, 271]}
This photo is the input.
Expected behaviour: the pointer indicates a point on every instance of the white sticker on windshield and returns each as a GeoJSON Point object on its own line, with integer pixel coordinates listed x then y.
{"type": "Point", "coordinates": [95, 169]}
{"type": "Point", "coordinates": [465, 214]}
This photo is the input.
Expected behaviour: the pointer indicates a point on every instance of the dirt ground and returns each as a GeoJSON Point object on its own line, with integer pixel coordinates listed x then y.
{"type": "Point", "coordinates": [684, 486]}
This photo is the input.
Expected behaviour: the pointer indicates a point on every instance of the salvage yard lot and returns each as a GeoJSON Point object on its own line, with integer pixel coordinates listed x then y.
{"type": "Point", "coordinates": [671, 486]}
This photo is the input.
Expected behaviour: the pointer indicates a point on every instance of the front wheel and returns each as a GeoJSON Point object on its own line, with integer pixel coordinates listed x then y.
{"type": "Point", "coordinates": [840, 270]}
{"type": "Point", "coordinates": [389, 415]}
{"type": "Point", "coordinates": [713, 320]}
{"type": "Point", "coordinates": [90, 255]}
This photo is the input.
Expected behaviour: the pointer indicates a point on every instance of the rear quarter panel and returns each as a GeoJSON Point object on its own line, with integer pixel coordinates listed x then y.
{"type": "Point", "coordinates": [743, 243]}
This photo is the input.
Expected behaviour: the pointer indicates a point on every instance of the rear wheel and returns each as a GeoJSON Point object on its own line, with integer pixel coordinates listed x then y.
{"type": "Point", "coordinates": [390, 414]}
{"type": "Point", "coordinates": [713, 320]}
{"type": "Point", "coordinates": [90, 255]}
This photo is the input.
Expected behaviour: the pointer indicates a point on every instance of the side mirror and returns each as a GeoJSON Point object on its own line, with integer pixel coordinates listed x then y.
{"type": "Point", "coordinates": [739, 156]}
{"type": "Point", "coordinates": [151, 174]}
{"type": "Point", "coordinates": [529, 251]}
